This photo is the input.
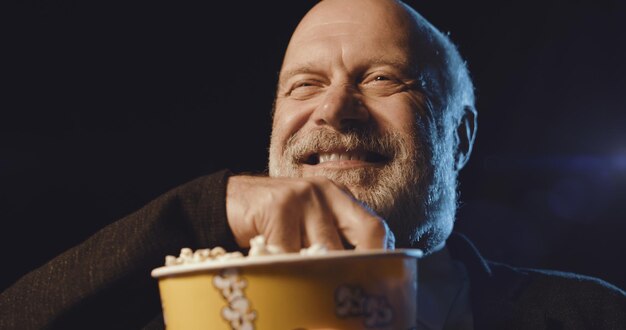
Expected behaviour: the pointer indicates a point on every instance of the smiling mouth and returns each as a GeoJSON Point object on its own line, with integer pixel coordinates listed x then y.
{"type": "Point", "coordinates": [344, 156]}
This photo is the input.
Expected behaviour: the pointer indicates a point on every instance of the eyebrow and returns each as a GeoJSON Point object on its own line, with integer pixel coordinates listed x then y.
{"type": "Point", "coordinates": [394, 62]}
{"type": "Point", "coordinates": [302, 69]}
{"type": "Point", "coordinates": [309, 67]}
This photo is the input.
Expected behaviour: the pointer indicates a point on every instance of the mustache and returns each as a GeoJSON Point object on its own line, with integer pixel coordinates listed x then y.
{"type": "Point", "coordinates": [301, 146]}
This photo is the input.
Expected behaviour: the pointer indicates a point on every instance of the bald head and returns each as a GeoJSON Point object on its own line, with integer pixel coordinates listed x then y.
{"type": "Point", "coordinates": [375, 18]}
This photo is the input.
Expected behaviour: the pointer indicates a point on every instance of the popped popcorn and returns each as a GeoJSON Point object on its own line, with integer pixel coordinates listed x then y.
{"type": "Point", "coordinates": [258, 247]}
{"type": "Point", "coordinates": [313, 250]}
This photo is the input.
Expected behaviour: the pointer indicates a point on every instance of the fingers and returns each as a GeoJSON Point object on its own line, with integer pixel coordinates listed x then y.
{"type": "Point", "coordinates": [297, 213]}
{"type": "Point", "coordinates": [307, 210]}
{"type": "Point", "coordinates": [360, 226]}
{"type": "Point", "coordinates": [287, 238]}
{"type": "Point", "coordinates": [323, 231]}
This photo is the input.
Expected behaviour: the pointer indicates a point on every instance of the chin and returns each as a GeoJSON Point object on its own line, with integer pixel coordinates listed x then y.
{"type": "Point", "coordinates": [429, 235]}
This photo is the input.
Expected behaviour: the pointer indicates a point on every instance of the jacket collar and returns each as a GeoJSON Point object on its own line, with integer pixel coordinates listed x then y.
{"type": "Point", "coordinates": [494, 288]}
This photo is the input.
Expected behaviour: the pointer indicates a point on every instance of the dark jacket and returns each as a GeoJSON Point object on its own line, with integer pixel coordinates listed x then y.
{"type": "Point", "coordinates": [504, 297]}
{"type": "Point", "coordinates": [105, 283]}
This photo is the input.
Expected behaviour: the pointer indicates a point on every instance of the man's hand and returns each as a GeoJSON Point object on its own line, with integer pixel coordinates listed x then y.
{"type": "Point", "coordinates": [296, 213]}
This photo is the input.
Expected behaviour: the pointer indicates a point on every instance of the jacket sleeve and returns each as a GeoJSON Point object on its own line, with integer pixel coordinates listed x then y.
{"type": "Point", "coordinates": [105, 281]}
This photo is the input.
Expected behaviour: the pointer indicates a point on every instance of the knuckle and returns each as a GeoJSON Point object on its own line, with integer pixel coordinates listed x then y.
{"type": "Point", "coordinates": [378, 227]}
{"type": "Point", "coordinates": [327, 183]}
{"type": "Point", "coordinates": [289, 191]}
{"type": "Point", "coordinates": [302, 188]}
{"type": "Point", "coordinates": [311, 188]}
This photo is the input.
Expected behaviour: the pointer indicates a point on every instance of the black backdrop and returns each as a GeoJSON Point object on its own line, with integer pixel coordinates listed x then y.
{"type": "Point", "coordinates": [105, 105]}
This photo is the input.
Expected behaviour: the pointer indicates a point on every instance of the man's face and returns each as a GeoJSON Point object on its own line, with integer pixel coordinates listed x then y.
{"type": "Point", "coordinates": [349, 108]}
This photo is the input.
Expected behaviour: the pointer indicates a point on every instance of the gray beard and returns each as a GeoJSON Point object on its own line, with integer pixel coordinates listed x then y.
{"type": "Point", "coordinates": [412, 195]}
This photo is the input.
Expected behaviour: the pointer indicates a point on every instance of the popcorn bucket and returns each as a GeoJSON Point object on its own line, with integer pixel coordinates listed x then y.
{"type": "Point", "coordinates": [337, 290]}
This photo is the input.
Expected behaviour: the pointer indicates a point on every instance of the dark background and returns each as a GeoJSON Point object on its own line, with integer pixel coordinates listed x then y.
{"type": "Point", "coordinates": [107, 104]}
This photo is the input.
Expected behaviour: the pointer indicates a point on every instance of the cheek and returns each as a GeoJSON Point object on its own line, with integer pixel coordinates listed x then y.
{"type": "Point", "coordinates": [398, 114]}
{"type": "Point", "coordinates": [289, 118]}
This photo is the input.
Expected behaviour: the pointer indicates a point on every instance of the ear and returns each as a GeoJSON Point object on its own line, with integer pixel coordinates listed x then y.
{"type": "Point", "coordinates": [465, 136]}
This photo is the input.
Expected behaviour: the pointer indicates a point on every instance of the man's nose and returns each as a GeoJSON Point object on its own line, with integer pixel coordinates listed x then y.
{"type": "Point", "coordinates": [341, 109]}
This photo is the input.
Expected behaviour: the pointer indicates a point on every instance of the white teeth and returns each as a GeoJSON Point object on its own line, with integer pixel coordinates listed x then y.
{"type": "Point", "coordinates": [323, 158]}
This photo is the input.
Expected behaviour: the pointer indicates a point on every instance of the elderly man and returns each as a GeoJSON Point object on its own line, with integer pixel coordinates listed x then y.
{"type": "Point", "coordinates": [374, 117]}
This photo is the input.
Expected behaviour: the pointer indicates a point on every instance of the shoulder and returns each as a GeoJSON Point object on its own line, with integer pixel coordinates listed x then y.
{"type": "Point", "coordinates": [559, 282]}
{"type": "Point", "coordinates": [564, 298]}
{"type": "Point", "coordinates": [506, 297]}
{"type": "Point", "coordinates": [564, 281]}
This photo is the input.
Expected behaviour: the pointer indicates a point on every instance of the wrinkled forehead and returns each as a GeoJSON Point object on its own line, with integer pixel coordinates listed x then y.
{"type": "Point", "coordinates": [380, 16]}
{"type": "Point", "coordinates": [375, 19]}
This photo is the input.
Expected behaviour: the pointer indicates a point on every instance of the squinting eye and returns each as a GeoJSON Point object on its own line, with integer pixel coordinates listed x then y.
{"type": "Point", "coordinates": [304, 89]}
{"type": "Point", "coordinates": [303, 84]}
{"type": "Point", "coordinates": [381, 78]}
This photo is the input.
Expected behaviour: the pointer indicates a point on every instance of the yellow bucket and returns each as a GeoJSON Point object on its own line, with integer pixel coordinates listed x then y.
{"type": "Point", "coordinates": [337, 290]}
